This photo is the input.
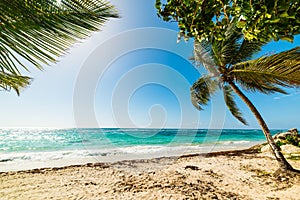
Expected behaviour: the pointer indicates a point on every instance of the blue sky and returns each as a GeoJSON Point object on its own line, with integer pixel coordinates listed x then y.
{"type": "Point", "coordinates": [134, 74]}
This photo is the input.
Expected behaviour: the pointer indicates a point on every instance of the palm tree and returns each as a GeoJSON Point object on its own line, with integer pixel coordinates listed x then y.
{"type": "Point", "coordinates": [36, 32]}
{"type": "Point", "coordinates": [229, 65]}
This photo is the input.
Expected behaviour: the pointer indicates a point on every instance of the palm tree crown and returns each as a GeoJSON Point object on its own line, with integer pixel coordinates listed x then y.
{"type": "Point", "coordinates": [229, 61]}
{"type": "Point", "coordinates": [41, 30]}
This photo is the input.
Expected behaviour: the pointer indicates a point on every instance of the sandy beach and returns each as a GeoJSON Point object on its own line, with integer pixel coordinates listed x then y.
{"type": "Point", "coordinates": [231, 175]}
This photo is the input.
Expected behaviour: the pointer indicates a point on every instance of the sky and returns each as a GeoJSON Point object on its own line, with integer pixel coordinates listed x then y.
{"type": "Point", "coordinates": [133, 73]}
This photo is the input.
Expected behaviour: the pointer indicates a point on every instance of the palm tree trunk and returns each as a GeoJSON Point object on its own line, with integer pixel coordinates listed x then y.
{"type": "Point", "coordinates": [284, 165]}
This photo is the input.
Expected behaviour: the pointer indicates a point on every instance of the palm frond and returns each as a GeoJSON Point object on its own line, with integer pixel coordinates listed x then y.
{"type": "Point", "coordinates": [41, 30]}
{"type": "Point", "coordinates": [229, 100]}
{"type": "Point", "coordinates": [234, 47]}
{"type": "Point", "coordinates": [13, 81]}
{"type": "Point", "coordinates": [268, 74]}
{"type": "Point", "coordinates": [263, 87]}
{"type": "Point", "coordinates": [246, 50]}
{"type": "Point", "coordinates": [202, 90]}
{"type": "Point", "coordinates": [225, 49]}
{"type": "Point", "coordinates": [203, 56]}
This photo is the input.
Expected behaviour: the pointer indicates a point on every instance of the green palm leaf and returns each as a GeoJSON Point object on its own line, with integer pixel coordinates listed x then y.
{"type": "Point", "coordinates": [202, 90]}
{"type": "Point", "coordinates": [225, 49]}
{"type": "Point", "coordinates": [246, 50]}
{"type": "Point", "coordinates": [268, 74]}
{"type": "Point", "coordinates": [229, 100]}
{"type": "Point", "coordinates": [13, 81]}
{"type": "Point", "coordinates": [41, 30]}
{"type": "Point", "coordinates": [221, 53]}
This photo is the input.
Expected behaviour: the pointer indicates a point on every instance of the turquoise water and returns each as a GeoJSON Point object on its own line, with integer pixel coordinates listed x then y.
{"type": "Point", "coordinates": [18, 146]}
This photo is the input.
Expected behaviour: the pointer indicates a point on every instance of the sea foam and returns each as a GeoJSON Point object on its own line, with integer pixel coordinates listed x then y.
{"type": "Point", "coordinates": [27, 149]}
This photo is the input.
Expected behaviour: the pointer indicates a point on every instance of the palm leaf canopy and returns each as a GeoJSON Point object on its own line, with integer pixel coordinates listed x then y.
{"type": "Point", "coordinates": [41, 30]}
{"type": "Point", "coordinates": [231, 60]}
{"type": "Point", "coordinates": [268, 73]}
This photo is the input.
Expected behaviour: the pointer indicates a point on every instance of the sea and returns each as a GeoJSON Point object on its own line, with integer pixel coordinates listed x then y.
{"type": "Point", "coordinates": [24, 148]}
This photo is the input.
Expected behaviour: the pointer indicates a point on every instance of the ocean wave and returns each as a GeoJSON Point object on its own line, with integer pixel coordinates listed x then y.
{"type": "Point", "coordinates": [31, 160]}
{"type": "Point", "coordinates": [155, 150]}
{"type": "Point", "coordinates": [235, 142]}
{"type": "Point", "coordinates": [21, 147]}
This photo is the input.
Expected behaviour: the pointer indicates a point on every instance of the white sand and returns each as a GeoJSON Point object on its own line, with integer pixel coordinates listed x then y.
{"type": "Point", "coordinates": [247, 176]}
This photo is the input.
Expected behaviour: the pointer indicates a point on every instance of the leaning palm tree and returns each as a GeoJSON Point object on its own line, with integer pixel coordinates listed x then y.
{"type": "Point", "coordinates": [36, 32]}
{"type": "Point", "coordinates": [230, 66]}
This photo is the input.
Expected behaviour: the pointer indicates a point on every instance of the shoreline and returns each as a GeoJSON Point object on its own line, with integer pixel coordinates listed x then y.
{"type": "Point", "coordinates": [250, 150]}
{"type": "Point", "coordinates": [182, 151]}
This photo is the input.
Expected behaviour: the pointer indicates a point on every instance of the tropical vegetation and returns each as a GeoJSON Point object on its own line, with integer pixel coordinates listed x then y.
{"type": "Point", "coordinates": [256, 19]}
{"type": "Point", "coordinates": [227, 35]}
{"type": "Point", "coordinates": [230, 65]}
{"type": "Point", "coordinates": [293, 140]}
{"type": "Point", "coordinates": [34, 33]}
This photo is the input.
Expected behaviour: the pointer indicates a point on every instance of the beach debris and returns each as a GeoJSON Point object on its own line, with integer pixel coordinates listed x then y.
{"type": "Point", "coordinates": [192, 167]}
